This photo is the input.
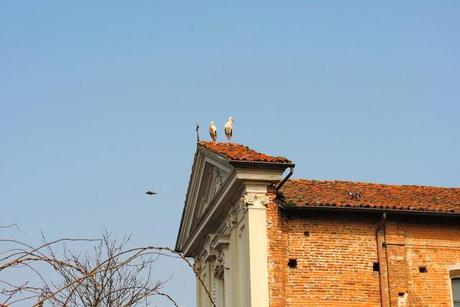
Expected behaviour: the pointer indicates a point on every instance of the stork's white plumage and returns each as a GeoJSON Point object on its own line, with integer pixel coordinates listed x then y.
{"type": "Point", "coordinates": [228, 128]}
{"type": "Point", "coordinates": [213, 131]}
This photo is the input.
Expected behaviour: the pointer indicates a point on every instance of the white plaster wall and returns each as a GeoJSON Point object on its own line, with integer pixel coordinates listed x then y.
{"type": "Point", "coordinates": [245, 281]}
{"type": "Point", "coordinates": [258, 257]}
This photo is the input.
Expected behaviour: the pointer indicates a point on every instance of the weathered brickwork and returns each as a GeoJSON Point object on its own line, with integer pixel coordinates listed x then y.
{"type": "Point", "coordinates": [277, 255]}
{"type": "Point", "coordinates": [432, 243]}
{"type": "Point", "coordinates": [329, 243]}
{"type": "Point", "coordinates": [336, 251]}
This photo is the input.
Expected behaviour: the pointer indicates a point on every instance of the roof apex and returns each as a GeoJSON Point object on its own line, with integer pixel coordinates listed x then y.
{"type": "Point", "coordinates": [241, 153]}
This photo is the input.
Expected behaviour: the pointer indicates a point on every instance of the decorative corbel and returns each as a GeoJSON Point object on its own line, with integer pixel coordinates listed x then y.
{"type": "Point", "coordinates": [219, 268]}
{"type": "Point", "coordinates": [208, 252]}
{"type": "Point", "coordinates": [230, 223]}
{"type": "Point", "coordinates": [255, 200]}
{"type": "Point", "coordinates": [220, 242]}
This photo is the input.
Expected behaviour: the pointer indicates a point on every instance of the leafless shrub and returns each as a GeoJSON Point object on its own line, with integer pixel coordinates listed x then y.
{"type": "Point", "coordinates": [112, 275]}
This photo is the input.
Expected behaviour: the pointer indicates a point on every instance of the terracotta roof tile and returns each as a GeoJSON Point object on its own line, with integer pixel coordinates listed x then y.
{"type": "Point", "coordinates": [342, 194]}
{"type": "Point", "coordinates": [237, 152]}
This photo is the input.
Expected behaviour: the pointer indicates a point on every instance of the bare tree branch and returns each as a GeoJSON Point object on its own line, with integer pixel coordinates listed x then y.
{"type": "Point", "coordinates": [112, 275]}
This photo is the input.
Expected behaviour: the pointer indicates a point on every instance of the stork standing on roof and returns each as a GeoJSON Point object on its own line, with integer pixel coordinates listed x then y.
{"type": "Point", "coordinates": [213, 131]}
{"type": "Point", "coordinates": [228, 128]}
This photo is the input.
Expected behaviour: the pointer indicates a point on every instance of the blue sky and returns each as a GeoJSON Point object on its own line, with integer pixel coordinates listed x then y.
{"type": "Point", "coordinates": [99, 101]}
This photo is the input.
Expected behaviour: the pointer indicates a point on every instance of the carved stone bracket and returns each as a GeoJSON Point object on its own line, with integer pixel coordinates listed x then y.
{"type": "Point", "coordinates": [208, 253]}
{"type": "Point", "coordinates": [213, 246]}
{"type": "Point", "coordinates": [219, 242]}
{"type": "Point", "coordinates": [230, 223]}
{"type": "Point", "coordinates": [219, 268]}
{"type": "Point", "coordinates": [255, 200]}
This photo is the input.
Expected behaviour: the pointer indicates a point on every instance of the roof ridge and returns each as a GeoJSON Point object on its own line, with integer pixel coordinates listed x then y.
{"type": "Point", "coordinates": [239, 152]}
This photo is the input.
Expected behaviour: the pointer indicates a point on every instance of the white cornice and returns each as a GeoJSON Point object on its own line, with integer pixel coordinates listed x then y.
{"type": "Point", "coordinates": [239, 181]}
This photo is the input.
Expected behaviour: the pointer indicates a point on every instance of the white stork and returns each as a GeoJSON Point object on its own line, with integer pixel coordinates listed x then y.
{"type": "Point", "coordinates": [228, 128]}
{"type": "Point", "coordinates": [213, 131]}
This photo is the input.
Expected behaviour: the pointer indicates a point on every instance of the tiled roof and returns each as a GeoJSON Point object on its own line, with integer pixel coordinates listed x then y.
{"type": "Point", "coordinates": [237, 152]}
{"type": "Point", "coordinates": [300, 193]}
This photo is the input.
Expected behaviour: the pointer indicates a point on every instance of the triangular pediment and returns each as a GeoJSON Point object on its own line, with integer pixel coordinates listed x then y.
{"type": "Point", "coordinates": [209, 174]}
{"type": "Point", "coordinates": [221, 174]}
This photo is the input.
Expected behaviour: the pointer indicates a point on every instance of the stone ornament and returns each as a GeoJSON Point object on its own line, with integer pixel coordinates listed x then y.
{"type": "Point", "coordinates": [255, 200]}
{"type": "Point", "coordinates": [219, 267]}
{"type": "Point", "coordinates": [230, 223]}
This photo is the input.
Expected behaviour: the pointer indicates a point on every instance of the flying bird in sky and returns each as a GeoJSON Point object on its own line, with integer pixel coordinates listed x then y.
{"type": "Point", "coordinates": [213, 131]}
{"type": "Point", "coordinates": [228, 128]}
{"type": "Point", "coordinates": [151, 193]}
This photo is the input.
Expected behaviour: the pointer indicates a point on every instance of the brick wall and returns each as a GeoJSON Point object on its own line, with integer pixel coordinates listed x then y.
{"type": "Point", "coordinates": [336, 251]}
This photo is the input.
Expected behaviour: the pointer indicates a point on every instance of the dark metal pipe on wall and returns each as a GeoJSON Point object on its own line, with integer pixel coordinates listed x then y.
{"type": "Point", "coordinates": [380, 239]}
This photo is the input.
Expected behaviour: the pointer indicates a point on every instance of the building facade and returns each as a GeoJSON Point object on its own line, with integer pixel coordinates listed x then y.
{"type": "Point", "coordinates": [260, 239]}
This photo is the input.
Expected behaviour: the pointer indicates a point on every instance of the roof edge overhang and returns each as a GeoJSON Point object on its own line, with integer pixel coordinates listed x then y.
{"type": "Point", "coordinates": [260, 164]}
{"type": "Point", "coordinates": [283, 206]}
{"type": "Point", "coordinates": [181, 223]}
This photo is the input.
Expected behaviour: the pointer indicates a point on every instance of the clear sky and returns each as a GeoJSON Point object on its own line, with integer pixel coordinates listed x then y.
{"type": "Point", "coordinates": [99, 99]}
